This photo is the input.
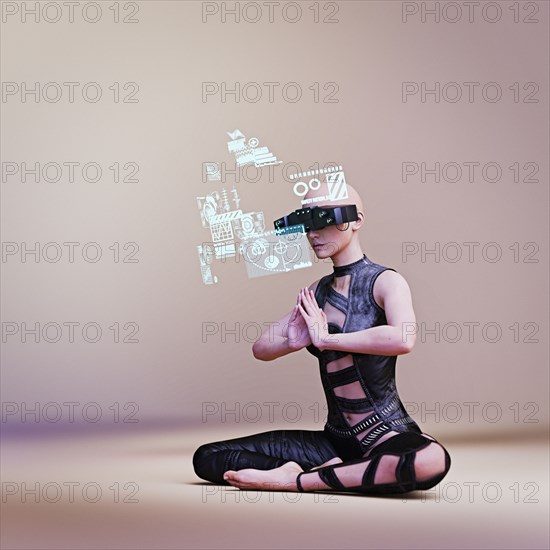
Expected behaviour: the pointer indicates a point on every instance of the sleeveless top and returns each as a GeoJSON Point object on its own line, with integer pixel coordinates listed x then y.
{"type": "Point", "coordinates": [360, 388]}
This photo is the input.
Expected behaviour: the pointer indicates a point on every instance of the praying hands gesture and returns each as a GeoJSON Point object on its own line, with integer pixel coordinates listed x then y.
{"type": "Point", "coordinates": [308, 323]}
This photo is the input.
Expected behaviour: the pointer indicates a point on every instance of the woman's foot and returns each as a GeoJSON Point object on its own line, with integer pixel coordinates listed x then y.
{"type": "Point", "coordinates": [282, 478]}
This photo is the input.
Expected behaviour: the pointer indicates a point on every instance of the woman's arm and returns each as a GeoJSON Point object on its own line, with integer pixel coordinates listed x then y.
{"type": "Point", "coordinates": [397, 337]}
{"type": "Point", "coordinates": [273, 343]}
{"type": "Point", "coordinates": [287, 335]}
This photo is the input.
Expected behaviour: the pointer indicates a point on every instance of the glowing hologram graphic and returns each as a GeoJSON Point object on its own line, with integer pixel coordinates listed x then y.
{"type": "Point", "coordinates": [208, 206]}
{"type": "Point", "coordinates": [243, 235]}
{"type": "Point", "coordinates": [206, 253]}
{"type": "Point", "coordinates": [337, 186]}
{"type": "Point", "coordinates": [249, 153]}
{"type": "Point", "coordinates": [334, 178]}
{"type": "Point", "coordinates": [271, 262]}
{"type": "Point", "coordinates": [235, 198]}
{"type": "Point", "coordinates": [221, 231]}
{"type": "Point", "coordinates": [213, 172]}
{"type": "Point", "coordinates": [235, 134]}
{"type": "Point", "coordinates": [226, 217]}
{"type": "Point", "coordinates": [300, 175]}
{"type": "Point", "coordinates": [224, 201]}
{"type": "Point", "coordinates": [214, 204]}
{"type": "Point", "coordinates": [298, 228]}
{"type": "Point", "coordinates": [237, 145]}
{"type": "Point", "coordinates": [225, 250]}
{"type": "Point", "coordinates": [249, 224]}
{"type": "Point", "coordinates": [258, 247]}
{"type": "Point", "coordinates": [246, 156]}
{"type": "Point", "coordinates": [216, 214]}
{"type": "Point", "coordinates": [263, 157]}
{"type": "Point", "coordinates": [271, 253]}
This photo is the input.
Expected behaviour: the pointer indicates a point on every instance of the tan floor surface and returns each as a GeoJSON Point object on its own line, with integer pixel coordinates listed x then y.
{"type": "Point", "coordinates": [137, 490]}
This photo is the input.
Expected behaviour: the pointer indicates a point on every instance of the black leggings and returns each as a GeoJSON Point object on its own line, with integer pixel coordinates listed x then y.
{"type": "Point", "coordinates": [271, 449]}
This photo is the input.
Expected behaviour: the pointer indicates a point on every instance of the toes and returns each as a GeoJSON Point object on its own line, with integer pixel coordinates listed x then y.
{"type": "Point", "coordinates": [233, 478]}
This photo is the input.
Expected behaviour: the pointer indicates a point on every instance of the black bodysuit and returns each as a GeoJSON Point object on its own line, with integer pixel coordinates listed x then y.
{"type": "Point", "coordinates": [366, 418]}
{"type": "Point", "coordinates": [362, 398]}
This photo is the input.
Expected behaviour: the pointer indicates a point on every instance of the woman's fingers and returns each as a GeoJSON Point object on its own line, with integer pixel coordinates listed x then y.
{"type": "Point", "coordinates": [309, 300]}
{"type": "Point", "coordinates": [308, 295]}
{"type": "Point", "coordinates": [293, 315]}
{"type": "Point", "coordinates": [306, 303]}
{"type": "Point", "coordinates": [307, 314]}
{"type": "Point", "coordinates": [308, 306]}
{"type": "Point", "coordinates": [311, 312]}
{"type": "Point", "coordinates": [311, 297]}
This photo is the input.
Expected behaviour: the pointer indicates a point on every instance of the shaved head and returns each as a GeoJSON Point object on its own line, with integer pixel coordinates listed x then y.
{"type": "Point", "coordinates": [338, 242]}
{"type": "Point", "coordinates": [353, 197]}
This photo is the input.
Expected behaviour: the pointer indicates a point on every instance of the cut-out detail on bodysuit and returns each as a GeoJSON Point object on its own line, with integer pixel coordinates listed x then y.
{"type": "Point", "coordinates": [335, 316]}
{"type": "Point", "coordinates": [353, 390]}
{"type": "Point", "coordinates": [340, 363]}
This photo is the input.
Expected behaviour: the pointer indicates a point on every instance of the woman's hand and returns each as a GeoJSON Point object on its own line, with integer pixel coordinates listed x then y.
{"type": "Point", "coordinates": [314, 318]}
{"type": "Point", "coordinates": [297, 332]}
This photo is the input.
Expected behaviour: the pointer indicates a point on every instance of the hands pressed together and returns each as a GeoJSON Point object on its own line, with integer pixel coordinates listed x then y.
{"type": "Point", "coordinates": [308, 323]}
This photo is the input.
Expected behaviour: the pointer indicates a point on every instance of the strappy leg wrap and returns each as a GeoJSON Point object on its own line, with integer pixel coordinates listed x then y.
{"type": "Point", "coordinates": [405, 447]}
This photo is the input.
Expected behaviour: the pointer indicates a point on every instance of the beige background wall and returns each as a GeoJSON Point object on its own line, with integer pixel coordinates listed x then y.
{"type": "Point", "coordinates": [169, 132]}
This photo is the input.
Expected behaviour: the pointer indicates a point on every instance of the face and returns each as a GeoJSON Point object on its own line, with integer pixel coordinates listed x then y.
{"type": "Point", "coordinates": [329, 240]}
{"type": "Point", "coordinates": [332, 239]}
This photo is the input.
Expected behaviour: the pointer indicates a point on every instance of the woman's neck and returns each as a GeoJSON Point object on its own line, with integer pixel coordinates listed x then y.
{"type": "Point", "coordinates": [350, 254]}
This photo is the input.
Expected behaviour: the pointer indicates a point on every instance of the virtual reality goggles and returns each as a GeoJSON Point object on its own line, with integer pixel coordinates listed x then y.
{"type": "Point", "coordinates": [318, 217]}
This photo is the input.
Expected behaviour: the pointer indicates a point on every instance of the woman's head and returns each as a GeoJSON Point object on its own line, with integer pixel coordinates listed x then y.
{"type": "Point", "coordinates": [336, 241]}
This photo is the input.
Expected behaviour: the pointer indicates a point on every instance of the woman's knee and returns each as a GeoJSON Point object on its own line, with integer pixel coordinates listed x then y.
{"type": "Point", "coordinates": [201, 458]}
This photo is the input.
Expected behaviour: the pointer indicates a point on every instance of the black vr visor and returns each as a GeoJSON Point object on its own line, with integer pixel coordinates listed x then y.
{"type": "Point", "coordinates": [317, 217]}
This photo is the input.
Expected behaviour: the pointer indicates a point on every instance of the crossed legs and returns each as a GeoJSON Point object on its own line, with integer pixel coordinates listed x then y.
{"type": "Point", "coordinates": [300, 460]}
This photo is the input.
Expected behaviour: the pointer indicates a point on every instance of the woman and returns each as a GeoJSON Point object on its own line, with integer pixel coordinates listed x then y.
{"type": "Point", "coordinates": [354, 321]}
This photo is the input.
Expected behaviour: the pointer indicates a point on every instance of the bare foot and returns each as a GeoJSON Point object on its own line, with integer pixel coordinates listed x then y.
{"type": "Point", "coordinates": [282, 478]}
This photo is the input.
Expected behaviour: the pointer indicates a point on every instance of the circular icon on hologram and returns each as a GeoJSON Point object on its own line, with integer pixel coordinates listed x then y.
{"type": "Point", "coordinates": [300, 188]}
{"type": "Point", "coordinates": [280, 247]}
{"type": "Point", "coordinates": [294, 236]}
{"type": "Point", "coordinates": [247, 224]}
{"type": "Point", "coordinates": [271, 262]}
{"type": "Point", "coordinates": [253, 142]}
{"type": "Point", "coordinates": [259, 246]}
{"type": "Point", "coordinates": [288, 252]}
